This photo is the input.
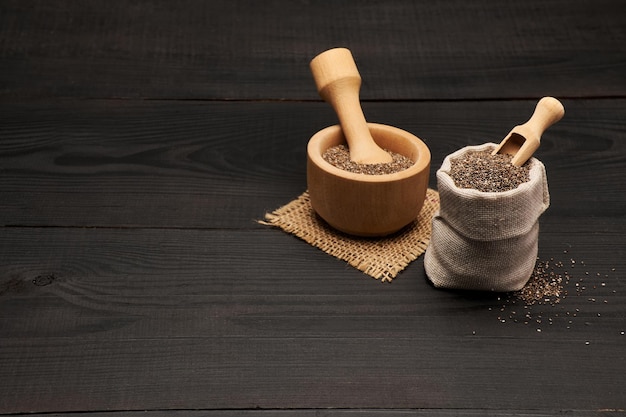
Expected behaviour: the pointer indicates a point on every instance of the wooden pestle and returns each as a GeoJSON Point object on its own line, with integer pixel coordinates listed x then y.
{"type": "Point", "coordinates": [523, 140]}
{"type": "Point", "coordinates": [338, 83]}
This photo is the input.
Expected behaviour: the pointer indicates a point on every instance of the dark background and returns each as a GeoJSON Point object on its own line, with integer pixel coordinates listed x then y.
{"type": "Point", "coordinates": [140, 141]}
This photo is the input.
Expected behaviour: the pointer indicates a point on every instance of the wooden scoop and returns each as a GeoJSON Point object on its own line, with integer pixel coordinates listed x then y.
{"type": "Point", "coordinates": [524, 139]}
{"type": "Point", "coordinates": [338, 83]}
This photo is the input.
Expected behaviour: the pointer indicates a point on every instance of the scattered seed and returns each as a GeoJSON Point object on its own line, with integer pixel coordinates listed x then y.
{"type": "Point", "coordinates": [546, 288]}
{"type": "Point", "coordinates": [545, 285]}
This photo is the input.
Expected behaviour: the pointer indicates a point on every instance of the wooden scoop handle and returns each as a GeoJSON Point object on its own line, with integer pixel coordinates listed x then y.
{"type": "Point", "coordinates": [338, 83]}
{"type": "Point", "coordinates": [548, 111]}
{"type": "Point", "coordinates": [523, 140]}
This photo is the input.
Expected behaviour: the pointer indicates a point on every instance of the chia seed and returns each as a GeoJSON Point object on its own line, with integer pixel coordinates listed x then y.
{"type": "Point", "coordinates": [541, 296]}
{"type": "Point", "coordinates": [545, 285]}
{"type": "Point", "coordinates": [339, 156]}
{"type": "Point", "coordinates": [489, 173]}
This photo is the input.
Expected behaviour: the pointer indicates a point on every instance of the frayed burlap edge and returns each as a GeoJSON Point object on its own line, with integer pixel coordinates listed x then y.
{"type": "Point", "coordinates": [381, 258]}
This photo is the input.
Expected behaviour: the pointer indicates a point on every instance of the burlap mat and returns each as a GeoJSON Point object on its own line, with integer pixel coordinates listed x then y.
{"type": "Point", "coordinates": [381, 258]}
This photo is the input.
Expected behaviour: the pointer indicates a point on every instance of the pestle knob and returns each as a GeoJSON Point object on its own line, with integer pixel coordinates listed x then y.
{"type": "Point", "coordinates": [338, 83]}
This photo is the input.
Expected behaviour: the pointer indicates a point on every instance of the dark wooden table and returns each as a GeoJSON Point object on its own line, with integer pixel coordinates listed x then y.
{"type": "Point", "coordinates": [140, 141]}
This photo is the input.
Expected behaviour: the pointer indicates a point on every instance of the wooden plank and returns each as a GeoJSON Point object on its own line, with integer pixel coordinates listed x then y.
{"type": "Point", "coordinates": [107, 163]}
{"type": "Point", "coordinates": [345, 373]}
{"type": "Point", "coordinates": [139, 272]}
{"type": "Point", "coordinates": [237, 49]}
{"type": "Point", "coordinates": [343, 413]}
{"type": "Point", "coordinates": [216, 319]}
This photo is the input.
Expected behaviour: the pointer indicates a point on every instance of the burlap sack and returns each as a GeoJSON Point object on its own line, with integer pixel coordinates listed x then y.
{"type": "Point", "coordinates": [485, 240]}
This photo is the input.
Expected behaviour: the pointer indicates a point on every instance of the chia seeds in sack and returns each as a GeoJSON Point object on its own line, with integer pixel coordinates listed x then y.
{"type": "Point", "coordinates": [486, 240]}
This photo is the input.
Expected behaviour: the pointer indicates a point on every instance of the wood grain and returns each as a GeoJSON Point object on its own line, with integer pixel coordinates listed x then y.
{"type": "Point", "coordinates": [325, 412]}
{"type": "Point", "coordinates": [223, 165]}
{"type": "Point", "coordinates": [267, 373]}
{"type": "Point", "coordinates": [176, 319]}
{"type": "Point", "coordinates": [140, 142]}
{"type": "Point", "coordinates": [259, 50]}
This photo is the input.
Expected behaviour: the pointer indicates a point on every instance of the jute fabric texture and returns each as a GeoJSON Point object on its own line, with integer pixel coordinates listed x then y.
{"type": "Point", "coordinates": [486, 240]}
{"type": "Point", "coordinates": [381, 257]}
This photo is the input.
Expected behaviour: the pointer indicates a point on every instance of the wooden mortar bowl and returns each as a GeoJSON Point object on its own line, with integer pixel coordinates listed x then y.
{"type": "Point", "coordinates": [362, 204]}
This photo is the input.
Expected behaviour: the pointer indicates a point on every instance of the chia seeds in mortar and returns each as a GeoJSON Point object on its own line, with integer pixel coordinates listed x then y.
{"type": "Point", "coordinates": [339, 156]}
